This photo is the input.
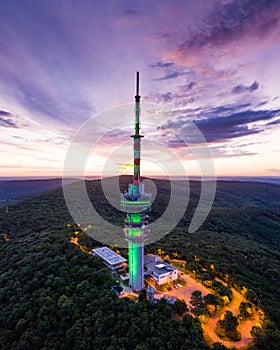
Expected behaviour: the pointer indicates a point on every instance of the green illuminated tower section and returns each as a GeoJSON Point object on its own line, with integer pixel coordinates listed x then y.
{"type": "Point", "coordinates": [136, 203]}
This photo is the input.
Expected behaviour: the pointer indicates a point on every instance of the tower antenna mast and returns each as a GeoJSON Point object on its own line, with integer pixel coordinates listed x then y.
{"type": "Point", "coordinates": [136, 203]}
{"type": "Point", "coordinates": [137, 138]}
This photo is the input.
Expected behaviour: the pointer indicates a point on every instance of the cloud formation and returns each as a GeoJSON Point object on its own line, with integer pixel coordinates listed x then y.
{"type": "Point", "coordinates": [221, 128]}
{"type": "Point", "coordinates": [171, 76]}
{"type": "Point", "coordinates": [235, 125]}
{"type": "Point", "coordinates": [132, 12]}
{"type": "Point", "coordinates": [233, 20]}
{"type": "Point", "coordinates": [274, 122]}
{"type": "Point", "coordinates": [242, 88]}
{"type": "Point", "coordinates": [188, 87]}
{"type": "Point", "coordinates": [211, 62]}
{"type": "Point", "coordinates": [6, 121]}
{"type": "Point", "coordinates": [179, 97]}
{"type": "Point", "coordinates": [162, 65]}
{"type": "Point", "coordinates": [5, 113]}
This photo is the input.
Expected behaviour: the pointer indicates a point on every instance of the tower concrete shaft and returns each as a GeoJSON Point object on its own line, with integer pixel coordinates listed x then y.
{"type": "Point", "coordinates": [136, 203]}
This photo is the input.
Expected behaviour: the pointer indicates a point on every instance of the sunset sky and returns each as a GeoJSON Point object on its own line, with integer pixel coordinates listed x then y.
{"type": "Point", "coordinates": [212, 63]}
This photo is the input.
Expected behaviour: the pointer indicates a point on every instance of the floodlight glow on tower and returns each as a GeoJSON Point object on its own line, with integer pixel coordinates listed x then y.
{"type": "Point", "coordinates": [136, 203]}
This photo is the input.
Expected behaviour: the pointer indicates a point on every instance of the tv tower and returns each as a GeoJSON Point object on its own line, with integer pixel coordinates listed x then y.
{"type": "Point", "coordinates": [136, 203]}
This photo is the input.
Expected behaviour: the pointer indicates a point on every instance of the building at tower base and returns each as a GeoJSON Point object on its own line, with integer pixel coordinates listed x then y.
{"type": "Point", "coordinates": [159, 270]}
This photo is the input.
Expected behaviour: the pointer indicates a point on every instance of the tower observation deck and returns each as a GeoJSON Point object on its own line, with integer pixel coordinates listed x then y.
{"type": "Point", "coordinates": [136, 203]}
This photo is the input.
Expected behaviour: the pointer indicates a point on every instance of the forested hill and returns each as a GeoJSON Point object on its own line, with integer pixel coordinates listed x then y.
{"type": "Point", "coordinates": [53, 296]}
{"type": "Point", "coordinates": [14, 190]}
{"type": "Point", "coordinates": [243, 193]}
{"type": "Point", "coordinates": [49, 210]}
{"type": "Point", "coordinates": [235, 193]}
{"type": "Point", "coordinates": [229, 193]}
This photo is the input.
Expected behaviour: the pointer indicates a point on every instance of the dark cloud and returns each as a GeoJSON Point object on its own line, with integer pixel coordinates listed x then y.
{"type": "Point", "coordinates": [7, 123]}
{"type": "Point", "coordinates": [171, 76]}
{"type": "Point", "coordinates": [189, 86]}
{"type": "Point", "coordinates": [179, 98]}
{"type": "Point", "coordinates": [233, 20]}
{"type": "Point", "coordinates": [221, 128]}
{"type": "Point", "coordinates": [234, 125]}
{"type": "Point", "coordinates": [275, 122]}
{"type": "Point", "coordinates": [262, 103]}
{"type": "Point", "coordinates": [132, 12]}
{"type": "Point", "coordinates": [6, 119]}
{"type": "Point", "coordinates": [5, 113]}
{"type": "Point", "coordinates": [248, 144]}
{"type": "Point", "coordinates": [225, 110]}
{"type": "Point", "coordinates": [242, 88]}
{"type": "Point", "coordinates": [254, 86]}
{"type": "Point", "coordinates": [162, 65]}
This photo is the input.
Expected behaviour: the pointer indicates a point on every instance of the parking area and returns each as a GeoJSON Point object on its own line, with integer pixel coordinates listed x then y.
{"type": "Point", "coordinates": [184, 292]}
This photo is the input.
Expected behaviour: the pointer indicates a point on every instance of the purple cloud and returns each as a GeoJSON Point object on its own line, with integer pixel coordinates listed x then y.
{"type": "Point", "coordinates": [188, 87]}
{"type": "Point", "coordinates": [275, 122]}
{"type": "Point", "coordinates": [171, 76]}
{"type": "Point", "coordinates": [234, 125]}
{"type": "Point", "coordinates": [6, 121]}
{"type": "Point", "coordinates": [221, 128]}
{"type": "Point", "coordinates": [162, 65]}
{"type": "Point", "coordinates": [233, 20]}
{"type": "Point", "coordinates": [242, 88]}
{"type": "Point", "coordinates": [132, 12]}
{"type": "Point", "coordinates": [5, 113]}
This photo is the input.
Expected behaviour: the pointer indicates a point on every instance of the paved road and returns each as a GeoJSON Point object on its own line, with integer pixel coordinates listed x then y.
{"type": "Point", "coordinates": [185, 292]}
{"type": "Point", "coordinates": [245, 327]}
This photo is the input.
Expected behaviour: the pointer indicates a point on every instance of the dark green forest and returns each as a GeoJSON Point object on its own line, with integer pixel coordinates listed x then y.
{"type": "Point", "coordinates": [53, 296]}
{"type": "Point", "coordinates": [14, 190]}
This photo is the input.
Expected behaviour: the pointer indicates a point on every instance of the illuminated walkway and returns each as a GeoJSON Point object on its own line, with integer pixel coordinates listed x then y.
{"type": "Point", "coordinates": [245, 327]}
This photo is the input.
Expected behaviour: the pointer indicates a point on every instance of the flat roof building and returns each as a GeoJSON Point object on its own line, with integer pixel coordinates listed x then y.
{"type": "Point", "coordinates": [111, 259]}
{"type": "Point", "coordinates": [161, 271]}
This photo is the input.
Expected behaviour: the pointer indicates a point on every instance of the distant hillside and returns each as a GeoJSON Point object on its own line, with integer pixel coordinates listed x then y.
{"type": "Point", "coordinates": [14, 190]}
{"type": "Point", "coordinates": [48, 210]}
{"type": "Point", "coordinates": [242, 193]}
